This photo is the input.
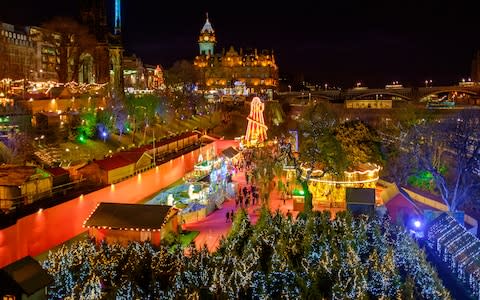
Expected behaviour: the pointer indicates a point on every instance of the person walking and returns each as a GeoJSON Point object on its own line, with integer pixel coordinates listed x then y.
{"type": "Point", "coordinates": [231, 215]}
{"type": "Point", "coordinates": [228, 217]}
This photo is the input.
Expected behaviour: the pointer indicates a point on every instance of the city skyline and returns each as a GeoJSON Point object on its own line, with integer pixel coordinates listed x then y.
{"type": "Point", "coordinates": [340, 44]}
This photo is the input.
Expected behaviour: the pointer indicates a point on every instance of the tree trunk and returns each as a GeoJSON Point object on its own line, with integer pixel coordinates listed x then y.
{"type": "Point", "coordinates": [308, 205]}
{"type": "Point", "coordinates": [62, 70]}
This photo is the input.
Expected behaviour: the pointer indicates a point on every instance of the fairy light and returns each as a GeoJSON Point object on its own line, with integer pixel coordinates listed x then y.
{"type": "Point", "coordinates": [372, 174]}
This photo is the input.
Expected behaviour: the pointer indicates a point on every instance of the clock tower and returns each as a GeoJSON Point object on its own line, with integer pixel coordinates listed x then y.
{"type": "Point", "coordinates": [207, 39]}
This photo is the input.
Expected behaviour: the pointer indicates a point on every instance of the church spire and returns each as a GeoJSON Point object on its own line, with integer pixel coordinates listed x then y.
{"type": "Point", "coordinates": [207, 39]}
{"type": "Point", "coordinates": [118, 18]}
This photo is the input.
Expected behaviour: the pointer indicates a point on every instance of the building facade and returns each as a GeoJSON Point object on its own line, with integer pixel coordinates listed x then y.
{"type": "Point", "coordinates": [139, 77]}
{"type": "Point", "coordinates": [234, 72]}
{"type": "Point", "coordinates": [35, 54]}
{"type": "Point", "coordinates": [18, 52]}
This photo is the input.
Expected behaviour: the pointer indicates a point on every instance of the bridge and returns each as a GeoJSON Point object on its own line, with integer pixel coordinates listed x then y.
{"type": "Point", "coordinates": [417, 94]}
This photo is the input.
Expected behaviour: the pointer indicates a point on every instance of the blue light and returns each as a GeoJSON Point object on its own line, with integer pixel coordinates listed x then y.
{"type": "Point", "coordinates": [417, 224]}
{"type": "Point", "coordinates": [104, 134]}
{"type": "Point", "coordinates": [118, 17]}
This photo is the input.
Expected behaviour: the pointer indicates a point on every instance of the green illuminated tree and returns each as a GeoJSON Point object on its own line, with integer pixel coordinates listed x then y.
{"type": "Point", "coordinates": [88, 124]}
{"type": "Point", "coordinates": [359, 142]}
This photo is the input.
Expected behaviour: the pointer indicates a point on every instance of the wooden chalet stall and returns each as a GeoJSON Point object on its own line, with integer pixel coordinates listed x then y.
{"type": "Point", "coordinates": [121, 223]}
{"type": "Point", "coordinates": [109, 170]}
{"type": "Point", "coordinates": [400, 206]}
{"type": "Point", "coordinates": [231, 154]}
{"type": "Point", "coordinates": [361, 201]}
{"type": "Point", "coordinates": [59, 175]}
{"type": "Point", "coordinates": [142, 161]}
{"type": "Point", "coordinates": [24, 279]}
{"type": "Point", "coordinates": [22, 185]}
{"type": "Point", "coordinates": [172, 144]}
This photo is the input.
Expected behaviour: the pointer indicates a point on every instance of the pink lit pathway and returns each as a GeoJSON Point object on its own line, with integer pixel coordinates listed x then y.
{"type": "Point", "coordinates": [214, 226]}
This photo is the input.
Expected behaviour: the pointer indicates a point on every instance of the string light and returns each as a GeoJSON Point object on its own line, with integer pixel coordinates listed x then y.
{"type": "Point", "coordinates": [256, 128]}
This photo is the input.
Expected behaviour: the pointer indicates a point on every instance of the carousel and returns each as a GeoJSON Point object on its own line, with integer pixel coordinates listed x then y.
{"type": "Point", "coordinates": [329, 191]}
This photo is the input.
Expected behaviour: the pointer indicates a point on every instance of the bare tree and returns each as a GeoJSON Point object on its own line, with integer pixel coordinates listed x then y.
{"type": "Point", "coordinates": [72, 40]}
{"type": "Point", "coordinates": [450, 150]}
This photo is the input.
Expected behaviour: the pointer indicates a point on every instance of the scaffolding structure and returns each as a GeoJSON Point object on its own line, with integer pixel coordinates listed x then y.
{"type": "Point", "coordinates": [256, 128]}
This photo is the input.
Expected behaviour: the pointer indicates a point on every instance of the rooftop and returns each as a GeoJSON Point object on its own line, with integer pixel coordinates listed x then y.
{"type": "Point", "coordinates": [230, 152]}
{"type": "Point", "coordinates": [57, 171]}
{"type": "Point", "coordinates": [12, 175]}
{"type": "Point", "coordinates": [113, 163]}
{"type": "Point", "coordinates": [27, 274]}
{"type": "Point", "coordinates": [207, 27]}
{"type": "Point", "coordinates": [130, 216]}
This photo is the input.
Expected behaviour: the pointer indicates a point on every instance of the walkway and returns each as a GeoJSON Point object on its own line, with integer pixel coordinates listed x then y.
{"type": "Point", "coordinates": [214, 227]}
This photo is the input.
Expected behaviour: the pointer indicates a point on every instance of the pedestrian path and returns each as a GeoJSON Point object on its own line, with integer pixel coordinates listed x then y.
{"type": "Point", "coordinates": [215, 226]}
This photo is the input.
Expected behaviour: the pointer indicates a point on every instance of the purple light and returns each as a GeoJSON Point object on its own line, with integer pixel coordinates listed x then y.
{"type": "Point", "coordinates": [104, 134]}
{"type": "Point", "coordinates": [417, 224]}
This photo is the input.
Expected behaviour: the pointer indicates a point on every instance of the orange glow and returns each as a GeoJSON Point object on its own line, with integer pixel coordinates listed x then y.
{"type": "Point", "coordinates": [39, 232]}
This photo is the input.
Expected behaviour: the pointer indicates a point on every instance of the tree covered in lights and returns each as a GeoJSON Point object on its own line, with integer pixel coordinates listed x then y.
{"type": "Point", "coordinates": [311, 257]}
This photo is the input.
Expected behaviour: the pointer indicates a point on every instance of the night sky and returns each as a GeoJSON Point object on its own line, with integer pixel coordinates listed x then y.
{"type": "Point", "coordinates": [335, 42]}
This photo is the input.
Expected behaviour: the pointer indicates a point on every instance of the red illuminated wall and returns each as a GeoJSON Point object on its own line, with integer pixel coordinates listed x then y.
{"type": "Point", "coordinates": [224, 144]}
{"type": "Point", "coordinates": [50, 227]}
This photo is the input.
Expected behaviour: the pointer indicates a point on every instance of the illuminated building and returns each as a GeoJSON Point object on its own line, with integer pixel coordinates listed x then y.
{"type": "Point", "coordinates": [157, 78]}
{"type": "Point", "coordinates": [369, 103]}
{"type": "Point", "coordinates": [32, 53]}
{"type": "Point", "coordinates": [140, 77]}
{"type": "Point", "coordinates": [234, 72]}
{"type": "Point", "coordinates": [256, 128]}
{"type": "Point", "coordinates": [17, 52]}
